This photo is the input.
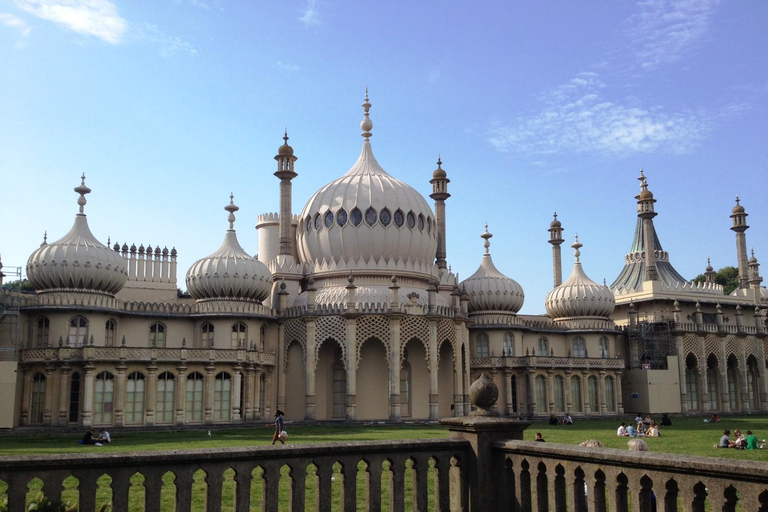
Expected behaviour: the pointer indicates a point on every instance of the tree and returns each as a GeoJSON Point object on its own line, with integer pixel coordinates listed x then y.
{"type": "Point", "coordinates": [25, 285]}
{"type": "Point", "coordinates": [726, 276]}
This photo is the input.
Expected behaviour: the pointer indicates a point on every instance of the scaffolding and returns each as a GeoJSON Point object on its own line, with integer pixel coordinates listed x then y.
{"type": "Point", "coordinates": [649, 345]}
{"type": "Point", "coordinates": [10, 301]}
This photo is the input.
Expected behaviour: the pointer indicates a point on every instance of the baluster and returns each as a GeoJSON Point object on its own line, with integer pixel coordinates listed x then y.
{"type": "Point", "coordinates": [397, 496]}
{"type": "Point", "coordinates": [575, 489]}
{"type": "Point", "coordinates": [242, 487]}
{"type": "Point", "coordinates": [87, 488]}
{"type": "Point", "coordinates": [443, 487]}
{"type": "Point", "coordinates": [17, 492]}
{"type": "Point", "coordinates": [324, 474]}
{"type": "Point", "coordinates": [634, 489]}
{"type": "Point", "coordinates": [373, 491]}
{"type": "Point", "coordinates": [53, 485]}
{"type": "Point", "coordinates": [153, 487]}
{"type": "Point", "coordinates": [214, 481]}
{"type": "Point", "coordinates": [121, 483]}
{"type": "Point", "coordinates": [716, 494]}
{"type": "Point", "coordinates": [349, 472]}
{"type": "Point", "coordinates": [420, 487]}
{"type": "Point", "coordinates": [749, 496]}
{"type": "Point", "coordinates": [298, 485]}
{"type": "Point", "coordinates": [271, 486]}
{"type": "Point", "coordinates": [184, 483]}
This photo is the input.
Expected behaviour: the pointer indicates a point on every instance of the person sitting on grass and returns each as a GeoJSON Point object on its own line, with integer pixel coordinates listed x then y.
{"type": "Point", "coordinates": [539, 438]}
{"type": "Point", "coordinates": [553, 420]}
{"type": "Point", "coordinates": [725, 440]}
{"type": "Point", "coordinates": [104, 437]}
{"type": "Point", "coordinates": [567, 420]}
{"type": "Point", "coordinates": [631, 431]}
{"type": "Point", "coordinates": [751, 440]}
{"type": "Point", "coordinates": [641, 428]}
{"type": "Point", "coordinates": [622, 432]}
{"type": "Point", "coordinates": [653, 430]}
{"type": "Point", "coordinates": [665, 421]}
{"type": "Point", "coordinates": [89, 439]}
{"type": "Point", "coordinates": [739, 442]}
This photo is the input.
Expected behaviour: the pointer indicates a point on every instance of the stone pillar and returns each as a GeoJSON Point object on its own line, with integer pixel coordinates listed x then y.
{"type": "Point", "coordinates": [351, 367]}
{"type": "Point", "coordinates": [151, 398]}
{"type": "Point", "coordinates": [26, 395]}
{"type": "Point", "coordinates": [535, 406]}
{"type": "Point", "coordinates": [568, 394]}
{"type": "Point", "coordinates": [619, 394]}
{"type": "Point", "coordinates": [88, 395]}
{"type": "Point", "coordinates": [64, 395]}
{"type": "Point", "coordinates": [762, 397]}
{"type": "Point", "coordinates": [550, 391]}
{"type": "Point", "coordinates": [588, 406]}
{"type": "Point", "coordinates": [236, 413]}
{"type": "Point", "coordinates": [743, 376]}
{"type": "Point", "coordinates": [49, 387]}
{"type": "Point", "coordinates": [280, 363]}
{"type": "Point", "coordinates": [311, 358]}
{"type": "Point", "coordinates": [208, 393]}
{"type": "Point", "coordinates": [508, 410]}
{"type": "Point", "coordinates": [681, 374]}
{"type": "Point", "coordinates": [704, 387]}
{"type": "Point", "coordinates": [249, 395]}
{"type": "Point", "coordinates": [433, 366]}
{"type": "Point", "coordinates": [601, 391]}
{"type": "Point", "coordinates": [394, 368]}
{"type": "Point", "coordinates": [458, 394]}
{"type": "Point", "coordinates": [267, 412]}
{"type": "Point", "coordinates": [180, 394]}
{"type": "Point", "coordinates": [258, 414]}
{"type": "Point", "coordinates": [119, 396]}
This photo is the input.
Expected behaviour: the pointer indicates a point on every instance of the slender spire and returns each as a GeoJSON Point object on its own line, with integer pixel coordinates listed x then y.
{"type": "Point", "coordinates": [231, 208]}
{"type": "Point", "coordinates": [366, 124]}
{"type": "Point", "coordinates": [82, 190]}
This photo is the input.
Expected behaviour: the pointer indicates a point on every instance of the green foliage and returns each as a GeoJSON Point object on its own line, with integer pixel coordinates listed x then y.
{"type": "Point", "coordinates": [24, 285]}
{"type": "Point", "coordinates": [726, 276]}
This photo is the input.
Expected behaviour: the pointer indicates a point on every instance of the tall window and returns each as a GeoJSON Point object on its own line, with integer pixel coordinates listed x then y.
{"type": "Point", "coordinates": [692, 383]}
{"type": "Point", "coordinates": [157, 335]}
{"type": "Point", "coordinates": [194, 406]}
{"type": "Point", "coordinates": [579, 347]}
{"type": "Point", "coordinates": [134, 398]}
{"type": "Point", "coordinates": [166, 392]}
{"type": "Point", "coordinates": [37, 402]}
{"type": "Point", "coordinates": [222, 397]}
{"type": "Point", "coordinates": [206, 335]}
{"type": "Point", "coordinates": [540, 385]}
{"type": "Point", "coordinates": [543, 347]}
{"type": "Point", "coordinates": [753, 383]}
{"type": "Point", "coordinates": [104, 398]}
{"type": "Point", "coordinates": [576, 403]}
{"type": "Point", "coordinates": [262, 337]}
{"type": "Point", "coordinates": [405, 389]}
{"type": "Point", "coordinates": [713, 383]}
{"type": "Point", "coordinates": [43, 332]}
{"type": "Point", "coordinates": [78, 331]}
{"type": "Point", "coordinates": [74, 398]}
{"type": "Point", "coordinates": [733, 383]}
{"type": "Point", "coordinates": [509, 344]}
{"type": "Point", "coordinates": [604, 347]}
{"type": "Point", "coordinates": [481, 345]}
{"type": "Point", "coordinates": [339, 390]}
{"type": "Point", "coordinates": [610, 394]}
{"type": "Point", "coordinates": [559, 393]}
{"type": "Point", "coordinates": [239, 335]}
{"type": "Point", "coordinates": [109, 333]}
{"type": "Point", "coordinates": [513, 384]}
{"type": "Point", "coordinates": [594, 394]}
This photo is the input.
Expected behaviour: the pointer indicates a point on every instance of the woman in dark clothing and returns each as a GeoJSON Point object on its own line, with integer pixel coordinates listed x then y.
{"type": "Point", "coordinates": [278, 426]}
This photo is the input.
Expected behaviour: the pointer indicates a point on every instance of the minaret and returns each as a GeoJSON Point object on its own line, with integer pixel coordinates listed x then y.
{"type": "Point", "coordinates": [645, 211]}
{"type": "Point", "coordinates": [285, 172]}
{"type": "Point", "coordinates": [754, 275]}
{"type": "Point", "coordinates": [556, 238]}
{"type": "Point", "coordinates": [709, 273]}
{"type": "Point", "coordinates": [439, 193]}
{"type": "Point", "coordinates": [739, 217]}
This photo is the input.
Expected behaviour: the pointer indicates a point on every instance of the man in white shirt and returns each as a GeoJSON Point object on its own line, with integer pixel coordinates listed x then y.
{"type": "Point", "coordinates": [622, 432]}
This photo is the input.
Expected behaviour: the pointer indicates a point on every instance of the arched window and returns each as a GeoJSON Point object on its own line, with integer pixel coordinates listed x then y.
{"type": "Point", "coordinates": [110, 328]}
{"type": "Point", "coordinates": [576, 402]}
{"type": "Point", "coordinates": [509, 344]}
{"type": "Point", "coordinates": [74, 398]}
{"type": "Point", "coordinates": [692, 382]}
{"type": "Point", "coordinates": [356, 216]}
{"type": "Point", "coordinates": [421, 222]}
{"type": "Point", "coordinates": [713, 383]}
{"type": "Point", "coordinates": [481, 345]}
{"type": "Point", "coordinates": [405, 389]}
{"type": "Point", "coordinates": [318, 222]}
{"type": "Point", "coordinates": [543, 347]}
{"type": "Point", "coordinates": [328, 219]}
{"type": "Point", "coordinates": [604, 347]}
{"type": "Point", "coordinates": [37, 400]}
{"type": "Point", "coordinates": [104, 399]}
{"type": "Point", "coordinates": [339, 390]}
{"type": "Point", "coordinates": [157, 335]}
{"type": "Point", "coordinates": [399, 218]}
{"type": "Point", "coordinates": [513, 384]}
{"type": "Point", "coordinates": [559, 393]}
{"type": "Point", "coordinates": [429, 225]}
{"type": "Point", "coordinates": [370, 216]}
{"type": "Point", "coordinates": [134, 398]}
{"type": "Point", "coordinates": [540, 385]}
{"type": "Point", "coordinates": [753, 383]}
{"type": "Point", "coordinates": [206, 335]}
{"type": "Point", "coordinates": [194, 405]}
{"type": "Point", "coordinates": [410, 219]}
{"type": "Point", "coordinates": [239, 335]}
{"type": "Point", "coordinates": [222, 397]}
{"type": "Point", "coordinates": [43, 332]}
{"type": "Point", "coordinates": [341, 217]}
{"type": "Point", "coordinates": [579, 347]}
{"type": "Point", "coordinates": [610, 394]}
{"type": "Point", "coordinates": [78, 331]}
{"type": "Point", "coordinates": [309, 224]}
{"type": "Point", "coordinates": [166, 392]}
{"type": "Point", "coordinates": [262, 337]}
{"type": "Point", "coordinates": [385, 217]}
{"type": "Point", "coordinates": [594, 394]}
{"type": "Point", "coordinates": [733, 383]}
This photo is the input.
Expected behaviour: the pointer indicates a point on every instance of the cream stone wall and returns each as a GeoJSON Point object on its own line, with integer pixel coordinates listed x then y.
{"type": "Point", "coordinates": [658, 390]}
{"type": "Point", "coordinates": [10, 383]}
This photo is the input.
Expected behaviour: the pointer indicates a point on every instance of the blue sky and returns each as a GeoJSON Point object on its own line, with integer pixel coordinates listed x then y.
{"type": "Point", "coordinates": [167, 106]}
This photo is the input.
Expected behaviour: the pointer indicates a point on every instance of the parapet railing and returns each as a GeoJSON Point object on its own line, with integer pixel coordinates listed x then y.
{"type": "Point", "coordinates": [428, 474]}
{"type": "Point", "coordinates": [174, 355]}
{"type": "Point", "coordinates": [602, 363]}
{"type": "Point", "coordinates": [547, 476]}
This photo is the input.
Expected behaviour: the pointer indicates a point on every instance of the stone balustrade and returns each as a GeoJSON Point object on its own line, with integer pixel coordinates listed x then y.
{"type": "Point", "coordinates": [435, 463]}
{"type": "Point", "coordinates": [523, 362]}
{"type": "Point", "coordinates": [143, 354]}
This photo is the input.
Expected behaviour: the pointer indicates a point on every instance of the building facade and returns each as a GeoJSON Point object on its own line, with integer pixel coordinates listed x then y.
{"type": "Point", "coordinates": [351, 312]}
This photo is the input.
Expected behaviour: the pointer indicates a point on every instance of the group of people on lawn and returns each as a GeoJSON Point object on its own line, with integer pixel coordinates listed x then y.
{"type": "Point", "coordinates": [739, 441]}
{"type": "Point", "coordinates": [100, 440]}
{"type": "Point", "coordinates": [643, 427]}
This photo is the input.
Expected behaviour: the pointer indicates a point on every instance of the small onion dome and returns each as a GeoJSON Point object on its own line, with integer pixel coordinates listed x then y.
{"type": "Point", "coordinates": [439, 173]}
{"type": "Point", "coordinates": [738, 208]}
{"type": "Point", "coordinates": [489, 289]}
{"type": "Point", "coordinates": [709, 265]}
{"type": "Point", "coordinates": [230, 272]}
{"type": "Point", "coordinates": [555, 223]}
{"type": "Point", "coordinates": [579, 296]}
{"type": "Point", "coordinates": [77, 262]}
{"type": "Point", "coordinates": [645, 194]}
{"type": "Point", "coordinates": [285, 149]}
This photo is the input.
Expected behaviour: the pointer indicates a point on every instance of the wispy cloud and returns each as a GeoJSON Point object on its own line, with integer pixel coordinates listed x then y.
{"type": "Point", "coordinates": [9, 20]}
{"type": "Point", "coordinates": [664, 30]}
{"type": "Point", "coordinates": [169, 45]}
{"type": "Point", "coordinates": [287, 67]}
{"type": "Point", "coordinates": [310, 15]}
{"type": "Point", "coordinates": [577, 117]}
{"type": "Point", "coordinates": [97, 18]}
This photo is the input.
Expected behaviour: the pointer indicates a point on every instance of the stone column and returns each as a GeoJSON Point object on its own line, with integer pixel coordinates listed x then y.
{"type": "Point", "coordinates": [601, 391]}
{"type": "Point", "coordinates": [681, 368]}
{"type": "Point", "coordinates": [508, 410]}
{"type": "Point", "coordinates": [725, 395]}
{"type": "Point", "coordinates": [433, 366]}
{"type": "Point", "coordinates": [534, 405]}
{"type": "Point", "coordinates": [743, 376]}
{"type": "Point", "coordinates": [64, 395]}
{"type": "Point", "coordinates": [550, 391]}
{"type": "Point", "coordinates": [236, 394]}
{"type": "Point", "coordinates": [619, 394]}
{"type": "Point", "coordinates": [49, 388]}
{"type": "Point", "coordinates": [458, 381]}
{"type": "Point", "coordinates": [762, 396]}
{"type": "Point", "coordinates": [119, 397]}
{"type": "Point", "coordinates": [267, 412]}
{"type": "Point", "coordinates": [249, 395]}
{"type": "Point", "coordinates": [26, 395]}
{"type": "Point", "coordinates": [351, 367]}
{"type": "Point", "coordinates": [588, 406]}
{"type": "Point", "coordinates": [703, 387]}
{"type": "Point", "coordinates": [151, 398]}
{"type": "Point", "coordinates": [311, 358]}
{"type": "Point", "coordinates": [394, 367]}
{"type": "Point", "coordinates": [257, 412]}
{"type": "Point", "coordinates": [88, 395]}
{"type": "Point", "coordinates": [280, 363]}
{"type": "Point", "coordinates": [180, 392]}
{"type": "Point", "coordinates": [208, 393]}
{"type": "Point", "coordinates": [568, 394]}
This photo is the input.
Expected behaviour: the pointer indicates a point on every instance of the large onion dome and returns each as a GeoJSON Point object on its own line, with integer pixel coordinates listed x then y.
{"type": "Point", "coordinates": [78, 261]}
{"type": "Point", "coordinates": [369, 218]}
{"type": "Point", "coordinates": [230, 273]}
{"type": "Point", "coordinates": [579, 296]}
{"type": "Point", "coordinates": [490, 290]}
